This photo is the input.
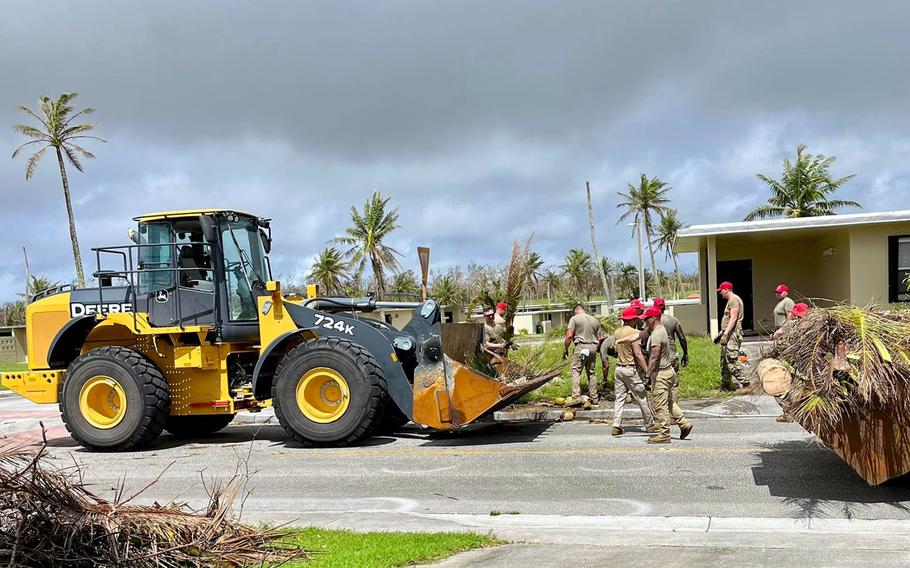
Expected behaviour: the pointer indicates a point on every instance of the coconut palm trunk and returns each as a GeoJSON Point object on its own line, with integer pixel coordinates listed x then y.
{"type": "Point", "coordinates": [77, 256]}
{"type": "Point", "coordinates": [378, 277]}
{"type": "Point", "coordinates": [678, 276]}
{"type": "Point", "coordinates": [651, 254]}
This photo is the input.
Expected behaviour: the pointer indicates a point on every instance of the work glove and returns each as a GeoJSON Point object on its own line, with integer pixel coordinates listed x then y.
{"type": "Point", "coordinates": [684, 362]}
{"type": "Point", "coordinates": [565, 354]}
{"type": "Point", "coordinates": [724, 338]}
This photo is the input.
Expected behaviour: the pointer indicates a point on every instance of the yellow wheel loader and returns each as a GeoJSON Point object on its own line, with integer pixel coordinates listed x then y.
{"type": "Point", "coordinates": [186, 328]}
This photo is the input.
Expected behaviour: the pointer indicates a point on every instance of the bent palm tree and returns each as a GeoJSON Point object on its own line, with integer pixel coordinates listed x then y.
{"type": "Point", "coordinates": [329, 271]}
{"type": "Point", "coordinates": [366, 239]}
{"type": "Point", "coordinates": [666, 237]}
{"type": "Point", "coordinates": [803, 190]}
{"type": "Point", "coordinates": [641, 203]}
{"type": "Point", "coordinates": [58, 132]}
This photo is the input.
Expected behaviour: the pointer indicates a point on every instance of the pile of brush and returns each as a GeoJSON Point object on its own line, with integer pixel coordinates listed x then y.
{"type": "Point", "coordinates": [843, 373]}
{"type": "Point", "coordinates": [48, 517]}
{"type": "Point", "coordinates": [847, 361]}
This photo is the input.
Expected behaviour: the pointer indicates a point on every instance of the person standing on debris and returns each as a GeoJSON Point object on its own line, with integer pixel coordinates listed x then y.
{"type": "Point", "coordinates": [659, 370]}
{"type": "Point", "coordinates": [783, 308]}
{"type": "Point", "coordinates": [626, 379]}
{"type": "Point", "coordinates": [731, 339]}
{"type": "Point", "coordinates": [493, 341]}
{"type": "Point", "coordinates": [585, 332]}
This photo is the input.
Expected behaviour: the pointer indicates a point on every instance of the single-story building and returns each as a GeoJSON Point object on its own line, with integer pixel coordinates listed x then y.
{"type": "Point", "coordinates": [858, 258]}
{"type": "Point", "coordinates": [399, 317]}
{"type": "Point", "coordinates": [12, 344]}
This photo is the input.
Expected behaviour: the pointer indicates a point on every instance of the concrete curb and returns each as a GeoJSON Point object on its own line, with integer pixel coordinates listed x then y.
{"type": "Point", "coordinates": [7, 393]}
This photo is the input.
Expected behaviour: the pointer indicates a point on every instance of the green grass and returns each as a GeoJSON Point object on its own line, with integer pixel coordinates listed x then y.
{"type": "Point", "coordinates": [8, 367]}
{"type": "Point", "coordinates": [343, 549]}
{"type": "Point", "coordinates": [701, 379]}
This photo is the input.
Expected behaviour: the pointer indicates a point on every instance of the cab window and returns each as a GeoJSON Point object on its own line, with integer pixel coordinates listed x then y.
{"type": "Point", "coordinates": [155, 262]}
{"type": "Point", "coordinates": [244, 264]}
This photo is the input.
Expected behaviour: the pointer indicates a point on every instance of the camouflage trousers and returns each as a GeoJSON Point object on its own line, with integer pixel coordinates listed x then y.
{"type": "Point", "coordinates": [586, 364]}
{"type": "Point", "coordinates": [732, 374]}
{"type": "Point", "coordinates": [664, 397]}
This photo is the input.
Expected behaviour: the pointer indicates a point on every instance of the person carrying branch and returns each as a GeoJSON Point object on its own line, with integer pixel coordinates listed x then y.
{"type": "Point", "coordinates": [731, 338]}
{"type": "Point", "coordinates": [585, 332]}
{"type": "Point", "coordinates": [659, 370]}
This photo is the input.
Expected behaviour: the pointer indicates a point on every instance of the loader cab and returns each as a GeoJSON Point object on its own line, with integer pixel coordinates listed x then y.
{"type": "Point", "coordinates": [203, 268]}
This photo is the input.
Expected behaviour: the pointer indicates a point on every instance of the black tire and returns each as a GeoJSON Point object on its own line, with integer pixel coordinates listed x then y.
{"type": "Point", "coordinates": [391, 418]}
{"type": "Point", "coordinates": [365, 382]}
{"type": "Point", "coordinates": [199, 426]}
{"type": "Point", "coordinates": [148, 399]}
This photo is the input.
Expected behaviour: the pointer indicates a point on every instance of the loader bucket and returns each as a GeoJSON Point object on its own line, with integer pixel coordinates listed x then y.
{"type": "Point", "coordinates": [449, 395]}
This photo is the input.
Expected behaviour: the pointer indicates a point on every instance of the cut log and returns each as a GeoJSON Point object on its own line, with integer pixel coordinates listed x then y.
{"type": "Point", "coordinates": [774, 376]}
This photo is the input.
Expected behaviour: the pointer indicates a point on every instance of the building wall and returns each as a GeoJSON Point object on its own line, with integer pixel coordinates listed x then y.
{"type": "Point", "coordinates": [692, 318]}
{"type": "Point", "coordinates": [830, 256]}
{"type": "Point", "coordinates": [869, 261]}
{"type": "Point", "coordinates": [771, 265]}
{"type": "Point", "coordinates": [12, 346]}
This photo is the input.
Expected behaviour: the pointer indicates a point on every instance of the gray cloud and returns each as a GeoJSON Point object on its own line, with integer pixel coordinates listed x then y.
{"type": "Point", "coordinates": [482, 120]}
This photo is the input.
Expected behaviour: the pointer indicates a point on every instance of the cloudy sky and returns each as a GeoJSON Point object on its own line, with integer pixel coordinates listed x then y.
{"type": "Point", "coordinates": [481, 120]}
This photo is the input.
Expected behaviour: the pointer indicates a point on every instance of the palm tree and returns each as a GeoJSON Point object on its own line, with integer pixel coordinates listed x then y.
{"type": "Point", "coordinates": [365, 239]}
{"type": "Point", "coordinates": [577, 266]}
{"type": "Point", "coordinates": [330, 271]}
{"type": "Point", "coordinates": [803, 190]}
{"type": "Point", "coordinates": [533, 264]}
{"type": "Point", "coordinates": [447, 291]}
{"type": "Point", "coordinates": [58, 132]}
{"type": "Point", "coordinates": [666, 238]}
{"type": "Point", "coordinates": [641, 203]}
{"type": "Point", "coordinates": [553, 281]}
{"type": "Point", "coordinates": [628, 278]}
{"type": "Point", "coordinates": [404, 283]}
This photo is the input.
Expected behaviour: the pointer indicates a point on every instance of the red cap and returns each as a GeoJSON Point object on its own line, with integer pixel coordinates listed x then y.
{"type": "Point", "coordinates": [781, 288]}
{"type": "Point", "coordinates": [651, 312]}
{"type": "Point", "coordinates": [629, 313]}
{"type": "Point", "coordinates": [660, 303]}
{"type": "Point", "coordinates": [637, 304]}
{"type": "Point", "coordinates": [502, 306]}
{"type": "Point", "coordinates": [800, 309]}
{"type": "Point", "coordinates": [725, 286]}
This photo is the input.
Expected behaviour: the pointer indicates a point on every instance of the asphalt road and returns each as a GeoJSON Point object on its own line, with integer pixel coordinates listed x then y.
{"type": "Point", "coordinates": [737, 475]}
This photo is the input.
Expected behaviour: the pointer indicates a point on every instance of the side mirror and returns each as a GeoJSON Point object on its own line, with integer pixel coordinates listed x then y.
{"type": "Point", "coordinates": [266, 241]}
{"type": "Point", "coordinates": [208, 228]}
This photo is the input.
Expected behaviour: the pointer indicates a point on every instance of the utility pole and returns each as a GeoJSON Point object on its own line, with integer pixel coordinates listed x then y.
{"type": "Point", "coordinates": [608, 288]}
{"type": "Point", "coordinates": [642, 291]}
{"type": "Point", "coordinates": [28, 276]}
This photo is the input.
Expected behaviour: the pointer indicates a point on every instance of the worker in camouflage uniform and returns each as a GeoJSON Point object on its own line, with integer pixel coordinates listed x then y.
{"type": "Point", "coordinates": [733, 377]}
{"type": "Point", "coordinates": [585, 332]}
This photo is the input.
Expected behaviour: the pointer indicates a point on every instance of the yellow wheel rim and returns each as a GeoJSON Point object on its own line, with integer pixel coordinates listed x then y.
{"type": "Point", "coordinates": [323, 395]}
{"type": "Point", "coordinates": [102, 402]}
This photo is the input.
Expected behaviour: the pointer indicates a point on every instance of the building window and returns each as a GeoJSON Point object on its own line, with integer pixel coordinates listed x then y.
{"type": "Point", "coordinates": [898, 268]}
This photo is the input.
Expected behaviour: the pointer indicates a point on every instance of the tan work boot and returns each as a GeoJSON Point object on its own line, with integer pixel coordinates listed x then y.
{"type": "Point", "coordinates": [572, 401]}
{"type": "Point", "coordinates": [659, 440]}
{"type": "Point", "coordinates": [684, 431]}
{"type": "Point", "coordinates": [617, 431]}
{"type": "Point", "coordinates": [652, 429]}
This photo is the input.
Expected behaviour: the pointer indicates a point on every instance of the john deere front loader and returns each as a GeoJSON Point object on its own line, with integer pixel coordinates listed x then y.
{"type": "Point", "coordinates": [186, 328]}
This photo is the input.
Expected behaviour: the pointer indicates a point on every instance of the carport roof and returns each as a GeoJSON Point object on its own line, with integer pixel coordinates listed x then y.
{"type": "Point", "coordinates": [691, 239]}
